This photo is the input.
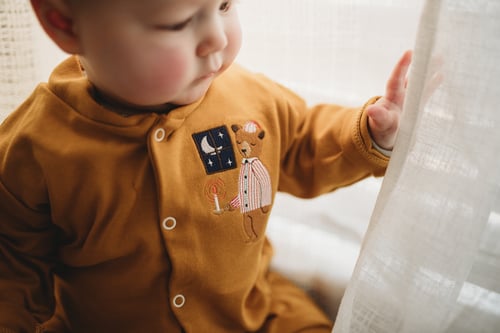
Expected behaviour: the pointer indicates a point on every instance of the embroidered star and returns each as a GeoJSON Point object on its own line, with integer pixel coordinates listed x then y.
{"type": "Point", "coordinates": [210, 162]}
{"type": "Point", "coordinates": [221, 135]}
{"type": "Point", "coordinates": [229, 162]}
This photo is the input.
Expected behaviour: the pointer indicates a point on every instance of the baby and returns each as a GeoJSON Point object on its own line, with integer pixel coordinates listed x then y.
{"type": "Point", "coordinates": [136, 185]}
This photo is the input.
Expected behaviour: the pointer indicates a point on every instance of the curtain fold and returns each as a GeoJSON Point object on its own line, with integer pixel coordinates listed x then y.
{"type": "Point", "coordinates": [430, 261]}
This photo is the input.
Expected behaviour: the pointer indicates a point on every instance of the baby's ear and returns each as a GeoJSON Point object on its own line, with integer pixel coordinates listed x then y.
{"type": "Point", "coordinates": [56, 18]}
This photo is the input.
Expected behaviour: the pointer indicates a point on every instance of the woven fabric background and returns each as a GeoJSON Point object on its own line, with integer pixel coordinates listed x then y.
{"type": "Point", "coordinates": [17, 53]}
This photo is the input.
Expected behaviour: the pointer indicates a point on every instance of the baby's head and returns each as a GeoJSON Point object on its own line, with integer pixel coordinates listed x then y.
{"type": "Point", "coordinates": [146, 53]}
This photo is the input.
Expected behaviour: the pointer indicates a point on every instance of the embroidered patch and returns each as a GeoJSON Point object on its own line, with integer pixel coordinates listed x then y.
{"type": "Point", "coordinates": [215, 149]}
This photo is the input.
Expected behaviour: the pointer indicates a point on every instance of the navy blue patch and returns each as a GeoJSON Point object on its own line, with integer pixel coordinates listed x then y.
{"type": "Point", "coordinates": [215, 149]}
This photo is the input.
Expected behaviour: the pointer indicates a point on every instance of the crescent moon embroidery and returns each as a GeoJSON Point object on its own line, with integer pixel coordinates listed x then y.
{"type": "Point", "coordinates": [207, 148]}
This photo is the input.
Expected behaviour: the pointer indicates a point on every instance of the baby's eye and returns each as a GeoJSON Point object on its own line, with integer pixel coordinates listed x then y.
{"type": "Point", "coordinates": [174, 27]}
{"type": "Point", "coordinates": [225, 6]}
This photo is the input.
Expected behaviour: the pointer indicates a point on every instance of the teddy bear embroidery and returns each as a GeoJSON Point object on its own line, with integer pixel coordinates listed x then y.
{"type": "Point", "coordinates": [254, 195]}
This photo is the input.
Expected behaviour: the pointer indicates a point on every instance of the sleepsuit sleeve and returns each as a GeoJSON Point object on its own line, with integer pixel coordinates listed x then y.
{"type": "Point", "coordinates": [325, 147]}
{"type": "Point", "coordinates": [27, 254]}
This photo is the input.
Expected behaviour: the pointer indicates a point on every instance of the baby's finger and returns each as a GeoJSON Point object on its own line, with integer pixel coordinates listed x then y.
{"type": "Point", "coordinates": [435, 77]}
{"type": "Point", "coordinates": [395, 89]}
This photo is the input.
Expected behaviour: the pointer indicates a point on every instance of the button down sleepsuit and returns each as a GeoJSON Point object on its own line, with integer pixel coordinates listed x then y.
{"type": "Point", "coordinates": [112, 223]}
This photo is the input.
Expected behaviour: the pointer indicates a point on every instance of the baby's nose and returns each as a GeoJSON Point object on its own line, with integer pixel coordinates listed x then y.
{"type": "Point", "coordinates": [214, 38]}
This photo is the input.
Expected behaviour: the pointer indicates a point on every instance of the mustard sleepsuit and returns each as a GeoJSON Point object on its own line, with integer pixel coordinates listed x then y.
{"type": "Point", "coordinates": [156, 222]}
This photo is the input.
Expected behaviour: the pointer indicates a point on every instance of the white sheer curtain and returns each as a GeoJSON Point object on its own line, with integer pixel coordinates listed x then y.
{"type": "Point", "coordinates": [431, 258]}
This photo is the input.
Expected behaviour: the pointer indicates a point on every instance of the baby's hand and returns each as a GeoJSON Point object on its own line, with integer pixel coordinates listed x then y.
{"type": "Point", "coordinates": [383, 115]}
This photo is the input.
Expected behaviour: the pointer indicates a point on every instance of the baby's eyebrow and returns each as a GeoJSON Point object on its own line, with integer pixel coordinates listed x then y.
{"type": "Point", "coordinates": [174, 7]}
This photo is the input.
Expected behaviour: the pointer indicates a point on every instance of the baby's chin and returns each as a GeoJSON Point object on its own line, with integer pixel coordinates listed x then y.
{"type": "Point", "coordinates": [190, 97]}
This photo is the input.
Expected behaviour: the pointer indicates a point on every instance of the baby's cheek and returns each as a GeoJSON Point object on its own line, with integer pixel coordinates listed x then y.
{"type": "Point", "coordinates": [234, 41]}
{"type": "Point", "coordinates": [171, 72]}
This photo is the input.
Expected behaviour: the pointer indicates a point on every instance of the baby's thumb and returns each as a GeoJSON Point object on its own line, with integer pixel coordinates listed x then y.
{"type": "Point", "coordinates": [378, 117]}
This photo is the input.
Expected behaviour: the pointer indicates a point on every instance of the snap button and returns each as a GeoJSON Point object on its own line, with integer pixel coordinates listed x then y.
{"type": "Point", "coordinates": [159, 134]}
{"type": "Point", "coordinates": [179, 301]}
{"type": "Point", "coordinates": [169, 223]}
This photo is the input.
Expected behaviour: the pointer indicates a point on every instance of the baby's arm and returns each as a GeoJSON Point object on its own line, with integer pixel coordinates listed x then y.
{"type": "Point", "coordinates": [383, 115]}
{"type": "Point", "coordinates": [26, 252]}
